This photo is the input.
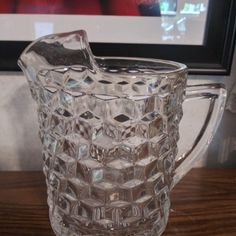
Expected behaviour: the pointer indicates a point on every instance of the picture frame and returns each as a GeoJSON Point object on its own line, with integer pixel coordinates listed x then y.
{"type": "Point", "coordinates": [213, 57]}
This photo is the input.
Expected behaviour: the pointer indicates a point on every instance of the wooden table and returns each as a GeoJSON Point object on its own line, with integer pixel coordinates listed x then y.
{"type": "Point", "coordinates": [203, 203]}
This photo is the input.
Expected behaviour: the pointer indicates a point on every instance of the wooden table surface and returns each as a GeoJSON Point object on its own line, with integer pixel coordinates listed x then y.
{"type": "Point", "coordinates": [203, 203]}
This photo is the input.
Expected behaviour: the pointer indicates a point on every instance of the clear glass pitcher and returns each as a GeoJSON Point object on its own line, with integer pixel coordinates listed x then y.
{"type": "Point", "coordinates": [109, 128]}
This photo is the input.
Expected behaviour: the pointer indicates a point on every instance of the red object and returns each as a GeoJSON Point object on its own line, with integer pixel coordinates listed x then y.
{"type": "Point", "coordinates": [83, 7]}
{"type": "Point", "coordinates": [122, 8]}
{"type": "Point", "coordinates": [40, 6]}
{"type": "Point", "coordinates": [87, 7]}
{"type": "Point", "coordinates": [7, 6]}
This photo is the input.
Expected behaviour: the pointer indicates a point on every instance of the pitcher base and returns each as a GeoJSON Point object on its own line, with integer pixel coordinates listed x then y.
{"type": "Point", "coordinates": [61, 228]}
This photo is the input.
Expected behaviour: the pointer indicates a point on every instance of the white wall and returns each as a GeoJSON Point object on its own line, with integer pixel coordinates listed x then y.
{"type": "Point", "coordinates": [19, 144]}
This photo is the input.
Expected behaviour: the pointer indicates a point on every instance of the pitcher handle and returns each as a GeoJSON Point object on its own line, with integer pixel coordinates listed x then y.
{"type": "Point", "coordinates": [217, 94]}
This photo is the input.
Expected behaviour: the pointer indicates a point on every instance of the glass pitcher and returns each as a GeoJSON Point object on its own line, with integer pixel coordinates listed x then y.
{"type": "Point", "coordinates": [109, 128]}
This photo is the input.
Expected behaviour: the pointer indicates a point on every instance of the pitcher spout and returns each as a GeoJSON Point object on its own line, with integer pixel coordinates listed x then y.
{"type": "Point", "coordinates": [57, 50]}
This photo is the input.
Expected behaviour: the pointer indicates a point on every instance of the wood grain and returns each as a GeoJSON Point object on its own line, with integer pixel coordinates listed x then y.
{"type": "Point", "coordinates": [203, 203]}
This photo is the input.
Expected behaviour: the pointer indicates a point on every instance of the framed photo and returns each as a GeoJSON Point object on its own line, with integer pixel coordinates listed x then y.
{"type": "Point", "coordinates": [199, 33]}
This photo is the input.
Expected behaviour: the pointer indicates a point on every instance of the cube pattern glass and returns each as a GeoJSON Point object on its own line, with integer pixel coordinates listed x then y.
{"type": "Point", "coordinates": [109, 147]}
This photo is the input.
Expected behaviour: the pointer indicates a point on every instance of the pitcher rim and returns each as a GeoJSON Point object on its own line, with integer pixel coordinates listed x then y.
{"type": "Point", "coordinates": [179, 67]}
